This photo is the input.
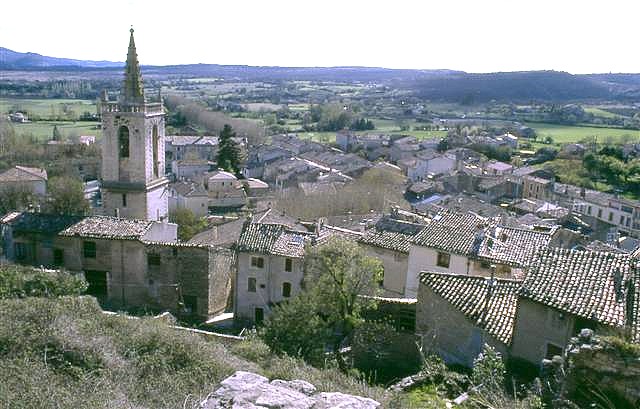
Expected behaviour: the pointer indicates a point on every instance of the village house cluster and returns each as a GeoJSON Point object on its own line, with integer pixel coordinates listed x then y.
{"type": "Point", "coordinates": [488, 253]}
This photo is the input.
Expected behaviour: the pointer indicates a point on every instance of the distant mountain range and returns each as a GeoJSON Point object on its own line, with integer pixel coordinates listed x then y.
{"type": "Point", "coordinates": [13, 60]}
{"type": "Point", "coordinates": [441, 85]}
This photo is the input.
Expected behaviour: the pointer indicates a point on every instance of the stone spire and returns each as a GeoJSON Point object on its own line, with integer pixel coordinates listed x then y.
{"type": "Point", "coordinates": [132, 89]}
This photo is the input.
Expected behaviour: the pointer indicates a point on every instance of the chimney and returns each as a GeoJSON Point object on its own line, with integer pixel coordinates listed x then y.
{"type": "Point", "coordinates": [117, 212]}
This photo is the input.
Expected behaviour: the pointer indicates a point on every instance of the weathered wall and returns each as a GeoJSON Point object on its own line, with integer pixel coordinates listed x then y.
{"type": "Point", "coordinates": [395, 269]}
{"type": "Point", "coordinates": [537, 325]}
{"type": "Point", "coordinates": [425, 259]}
{"type": "Point", "coordinates": [269, 280]}
{"type": "Point", "coordinates": [446, 331]}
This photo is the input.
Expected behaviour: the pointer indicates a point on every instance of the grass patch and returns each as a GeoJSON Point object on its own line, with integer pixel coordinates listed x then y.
{"type": "Point", "coordinates": [595, 111]}
{"type": "Point", "coordinates": [48, 108]}
{"type": "Point", "coordinates": [43, 130]}
{"type": "Point", "coordinates": [64, 353]}
{"type": "Point", "coordinates": [569, 134]}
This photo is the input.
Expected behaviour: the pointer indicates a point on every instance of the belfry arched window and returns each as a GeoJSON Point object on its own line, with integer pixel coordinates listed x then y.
{"type": "Point", "coordinates": [123, 142]}
{"type": "Point", "coordinates": [154, 136]}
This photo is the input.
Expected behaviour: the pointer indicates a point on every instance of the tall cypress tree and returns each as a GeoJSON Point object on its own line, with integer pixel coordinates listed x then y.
{"type": "Point", "coordinates": [228, 151]}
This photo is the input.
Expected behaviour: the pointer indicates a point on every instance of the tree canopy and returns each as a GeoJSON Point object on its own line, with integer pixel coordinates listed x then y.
{"type": "Point", "coordinates": [66, 196]}
{"type": "Point", "coordinates": [229, 156]}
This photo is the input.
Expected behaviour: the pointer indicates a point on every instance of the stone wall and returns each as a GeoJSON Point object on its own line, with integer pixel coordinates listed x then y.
{"type": "Point", "coordinates": [605, 366]}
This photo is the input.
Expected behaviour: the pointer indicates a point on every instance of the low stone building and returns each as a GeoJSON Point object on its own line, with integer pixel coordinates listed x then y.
{"type": "Point", "coordinates": [457, 314]}
{"type": "Point", "coordinates": [225, 190]}
{"type": "Point", "coordinates": [568, 290]}
{"type": "Point", "coordinates": [34, 179]}
{"type": "Point", "coordinates": [127, 263]}
{"type": "Point", "coordinates": [189, 195]}
{"type": "Point", "coordinates": [269, 268]}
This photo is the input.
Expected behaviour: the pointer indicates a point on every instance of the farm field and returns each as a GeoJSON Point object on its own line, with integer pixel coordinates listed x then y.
{"type": "Point", "coordinates": [48, 108]}
{"type": "Point", "coordinates": [43, 130]}
{"type": "Point", "coordinates": [568, 134]}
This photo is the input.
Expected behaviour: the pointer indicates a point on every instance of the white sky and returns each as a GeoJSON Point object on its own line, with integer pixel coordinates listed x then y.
{"type": "Point", "coordinates": [470, 35]}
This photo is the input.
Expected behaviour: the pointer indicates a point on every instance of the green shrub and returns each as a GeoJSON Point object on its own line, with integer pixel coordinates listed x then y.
{"type": "Point", "coordinates": [19, 282]}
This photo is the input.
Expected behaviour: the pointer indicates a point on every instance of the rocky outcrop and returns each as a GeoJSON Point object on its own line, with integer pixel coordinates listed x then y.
{"type": "Point", "coordinates": [246, 390]}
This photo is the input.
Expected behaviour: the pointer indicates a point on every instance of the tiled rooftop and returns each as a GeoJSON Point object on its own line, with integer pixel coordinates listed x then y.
{"type": "Point", "coordinates": [453, 232]}
{"type": "Point", "coordinates": [513, 246]}
{"type": "Point", "coordinates": [489, 304]}
{"type": "Point", "coordinates": [392, 234]}
{"type": "Point", "coordinates": [582, 283]}
{"type": "Point", "coordinates": [275, 239]}
{"type": "Point", "coordinates": [104, 227]}
{"type": "Point", "coordinates": [23, 174]}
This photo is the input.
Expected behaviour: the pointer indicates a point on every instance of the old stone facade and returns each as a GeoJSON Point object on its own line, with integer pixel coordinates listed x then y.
{"type": "Point", "coordinates": [269, 269]}
{"type": "Point", "coordinates": [127, 263]}
{"type": "Point", "coordinates": [133, 158]}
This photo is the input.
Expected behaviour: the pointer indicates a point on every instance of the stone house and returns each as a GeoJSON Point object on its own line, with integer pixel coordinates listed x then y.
{"type": "Point", "coordinates": [537, 188]}
{"type": "Point", "coordinates": [600, 207]}
{"type": "Point", "coordinates": [192, 169]}
{"type": "Point", "coordinates": [496, 168]}
{"type": "Point", "coordinates": [465, 243]}
{"type": "Point", "coordinates": [34, 179]}
{"type": "Point", "coordinates": [430, 162]}
{"type": "Point", "coordinates": [389, 241]}
{"type": "Point", "coordinates": [225, 190]}
{"type": "Point", "coordinates": [568, 290]}
{"type": "Point", "coordinates": [189, 195]}
{"type": "Point", "coordinates": [127, 263]}
{"type": "Point", "coordinates": [457, 314]}
{"type": "Point", "coordinates": [269, 268]}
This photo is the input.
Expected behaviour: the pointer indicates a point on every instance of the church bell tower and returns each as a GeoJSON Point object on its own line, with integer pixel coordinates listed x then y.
{"type": "Point", "coordinates": [133, 181]}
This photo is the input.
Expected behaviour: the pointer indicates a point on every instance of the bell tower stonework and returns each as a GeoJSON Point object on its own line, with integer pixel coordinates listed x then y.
{"type": "Point", "coordinates": [133, 181]}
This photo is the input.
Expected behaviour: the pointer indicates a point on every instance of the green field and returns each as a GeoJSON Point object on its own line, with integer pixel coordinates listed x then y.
{"type": "Point", "coordinates": [568, 134]}
{"type": "Point", "coordinates": [65, 109]}
{"type": "Point", "coordinates": [43, 130]}
{"type": "Point", "coordinates": [596, 111]}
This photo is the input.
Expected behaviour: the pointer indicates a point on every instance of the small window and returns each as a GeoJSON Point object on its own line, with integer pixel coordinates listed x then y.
{"type": "Point", "coordinates": [89, 249]}
{"type": "Point", "coordinates": [251, 285]}
{"type": "Point", "coordinates": [599, 213]}
{"type": "Point", "coordinates": [443, 259]}
{"type": "Point", "coordinates": [58, 257]}
{"type": "Point", "coordinates": [123, 142]}
{"type": "Point", "coordinates": [621, 220]}
{"type": "Point", "coordinates": [286, 290]}
{"type": "Point", "coordinates": [21, 251]}
{"type": "Point", "coordinates": [288, 265]}
{"type": "Point", "coordinates": [589, 210]}
{"type": "Point", "coordinates": [153, 259]}
{"type": "Point", "coordinates": [610, 216]}
{"type": "Point", "coordinates": [257, 262]}
{"type": "Point", "coordinates": [553, 350]}
{"type": "Point", "coordinates": [124, 200]}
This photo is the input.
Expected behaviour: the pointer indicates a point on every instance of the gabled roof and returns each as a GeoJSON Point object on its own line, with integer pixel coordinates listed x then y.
{"type": "Point", "coordinates": [392, 234]}
{"type": "Point", "coordinates": [104, 227]}
{"type": "Point", "coordinates": [588, 284]}
{"type": "Point", "coordinates": [275, 239]}
{"type": "Point", "coordinates": [513, 246]}
{"type": "Point", "coordinates": [23, 174]}
{"type": "Point", "coordinates": [189, 189]}
{"type": "Point", "coordinates": [453, 232]}
{"type": "Point", "coordinates": [489, 303]}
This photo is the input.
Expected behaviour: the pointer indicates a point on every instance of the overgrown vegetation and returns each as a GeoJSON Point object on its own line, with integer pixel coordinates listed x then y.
{"type": "Point", "coordinates": [20, 282]}
{"type": "Point", "coordinates": [188, 223]}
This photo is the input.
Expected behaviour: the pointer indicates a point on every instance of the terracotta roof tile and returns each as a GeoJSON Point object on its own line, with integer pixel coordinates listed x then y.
{"type": "Point", "coordinates": [513, 246]}
{"type": "Point", "coordinates": [490, 304]}
{"type": "Point", "coordinates": [275, 239]}
{"type": "Point", "coordinates": [104, 227]}
{"type": "Point", "coordinates": [453, 232]}
{"type": "Point", "coordinates": [392, 234]}
{"type": "Point", "coordinates": [588, 284]}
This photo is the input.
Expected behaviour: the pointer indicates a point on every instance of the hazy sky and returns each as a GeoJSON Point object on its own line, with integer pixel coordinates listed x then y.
{"type": "Point", "coordinates": [474, 36]}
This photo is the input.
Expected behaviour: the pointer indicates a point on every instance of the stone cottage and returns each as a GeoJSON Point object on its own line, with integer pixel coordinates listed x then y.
{"type": "Point", "coordinates": [269, 268]}
{"type": "Point", "coordinates": [567, 290]}
{"type": "Point", "coordinates": [127, 263]}
{"type": "Point", "coordinates": [457, 314]}
{"type": "Point", "coordinates": [33, 179]}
